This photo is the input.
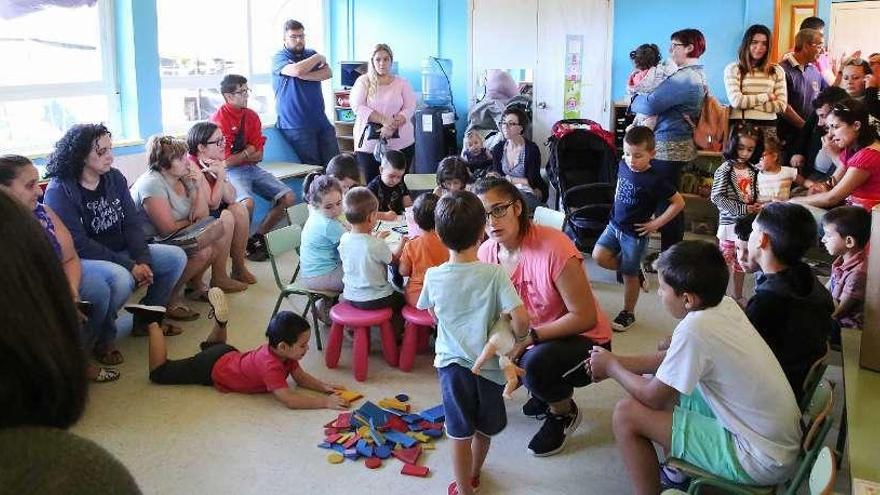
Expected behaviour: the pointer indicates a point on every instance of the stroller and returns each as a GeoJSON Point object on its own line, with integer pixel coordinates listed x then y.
{"type": "Point", "coordinates": [583, 170]}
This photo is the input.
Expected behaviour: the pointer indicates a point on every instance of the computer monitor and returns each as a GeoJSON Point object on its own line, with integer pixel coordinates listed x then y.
{"type": "Point", "coordinates": [350, 71]}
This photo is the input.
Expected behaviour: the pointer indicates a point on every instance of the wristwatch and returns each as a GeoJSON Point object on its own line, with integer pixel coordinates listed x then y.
{"type": "Point", "coordinates": [534, 335]}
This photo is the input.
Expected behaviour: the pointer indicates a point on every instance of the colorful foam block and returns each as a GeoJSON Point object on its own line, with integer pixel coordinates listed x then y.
{"type": "Point", "coordinates": [343, 420]}
{"type": "Point", "coordinates": [400, 438]}
{"type": "Point", "coordinates": [393, 404]}
{"type": "Point", "coordinates": [415, 470]}
{"type": "Point", "coordinates": [434, 433]}
{"type": "Point", "coordinates": [409, 456]}
{"type": "Point", "coordinates": [364, 449]}
{"type": "Point", "coordinates": [434, 414]}
{"type": "Point", "coordinates": [383, 451]}
{"type": "Point", "coordinates": [371, 411]}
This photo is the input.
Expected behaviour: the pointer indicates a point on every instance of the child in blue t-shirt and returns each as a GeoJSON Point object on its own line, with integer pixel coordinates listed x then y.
{"type": "Point", "coordinates": [320, 265]}
{"type": "Point", "coordinates": [466, 297]}
{"type": "Point", "coordinates": [641, 191]}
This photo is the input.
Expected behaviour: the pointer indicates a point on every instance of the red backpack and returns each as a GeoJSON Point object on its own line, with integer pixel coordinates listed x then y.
{"type": "Point", "coordinates": [710, 131]}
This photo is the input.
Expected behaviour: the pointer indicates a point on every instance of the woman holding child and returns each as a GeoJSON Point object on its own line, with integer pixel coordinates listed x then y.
{"type": "Point", "coordinates": [566, 321]}
{"type": "Point", "coordinates": [679, 96]}
{"type": "Point", "coordinates": [756, 87]}
{"type": "Point", "coordinates": [854, 146]}
{"type": "Point", "coordinates": [384, 105]}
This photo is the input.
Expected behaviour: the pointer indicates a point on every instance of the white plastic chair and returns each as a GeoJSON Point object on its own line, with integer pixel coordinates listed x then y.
{"type": "Point", "coordinates": [549, 218]}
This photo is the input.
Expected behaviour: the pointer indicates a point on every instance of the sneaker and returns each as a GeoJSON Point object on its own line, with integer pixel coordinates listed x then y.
{"type": "Point", "coordinates": [672, 478]}
{"type": "Point", "coordinates": [551, 438]}
{"type": "Point", "coordinates": [643, 280]}
{"type": "Point", "coordinates": [143, 315]}
{"type": "Point", "coordinates": [535, 407]}
{"type": "Point", "coordinates": [219, 309]}
{"type": "Point", "coordinates": [256, 248]}
{"type": "Point", "coordinates": [453, 487]}
{"type": "Point", "coordinates": [623, 322]}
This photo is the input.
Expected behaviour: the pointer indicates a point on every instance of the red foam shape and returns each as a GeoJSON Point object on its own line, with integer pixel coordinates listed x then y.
{"type": "Point", "coordinates": [415, 470]}
{"type": "Point", "coordinates": [397, 424]}
{"type": "Point", "coordinates": [343, 421]}
{"type": "Point", "coordinates": [373, 462]}
{"type": "Point", "coordinates": [333, 438]}
{"type": "Point", "coordinates": [351, 441]}
{"type": "Point", "coordinates": [408, 456]}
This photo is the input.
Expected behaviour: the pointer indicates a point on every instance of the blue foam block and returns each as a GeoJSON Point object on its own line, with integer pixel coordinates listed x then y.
{"type": "Point", "coordinates": [325, 445]}
{"type": "Point", "coordinates": [434, 414]}
{"type": "Point", "coordinates": [373, 412]}
{"type": "Point", "coordinates": [412, 418]}
{"type": "Point", "coordinates": [397, 437]}
{"type": "Point", "coordinates": [433, 433]}
{"type": "Point", "coordinates": [383, 452]}
{"type": "Point", "coordinates": [364, 449]}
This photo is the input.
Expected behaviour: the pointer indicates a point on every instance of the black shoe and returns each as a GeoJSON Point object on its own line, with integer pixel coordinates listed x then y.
{"type": "Point", "coordinates": [551, 438]}
{"type": "Point", "coordinates": [256, 248]}
{"type": "Point", "coordinates": [143, 315]}
{"type": "Point", "coordinates": [535, 407]}
{"type": "Point", "coordinates": [623, 322]}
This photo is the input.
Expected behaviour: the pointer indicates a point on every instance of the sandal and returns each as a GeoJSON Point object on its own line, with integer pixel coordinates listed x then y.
{"type": "Point", "coordinates": [182, 313]}
{"type": "Point", "coordinates": [109, 357]}
{"type": "Point", "coordinates": [103, 375]}
{"type": "Point", "coordinates": [452, 489]}
{"type": "Point", "coordinates": [197, 295]}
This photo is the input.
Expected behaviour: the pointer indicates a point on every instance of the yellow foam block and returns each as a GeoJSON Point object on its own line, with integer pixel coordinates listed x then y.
{"type": "Point", "coordinates": [393, 404]}
{"type": "Point", "coordinates": [349, 395]}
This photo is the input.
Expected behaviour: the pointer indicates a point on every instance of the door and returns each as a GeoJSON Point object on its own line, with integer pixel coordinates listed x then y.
{"type": "Point", "coordinates": [568, 27]}
{"type": "Point", "coordinates": [854, 27]}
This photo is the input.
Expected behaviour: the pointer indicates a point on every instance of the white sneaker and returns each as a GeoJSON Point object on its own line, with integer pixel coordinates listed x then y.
{"type": "Point", "coordinates": [219, 308]}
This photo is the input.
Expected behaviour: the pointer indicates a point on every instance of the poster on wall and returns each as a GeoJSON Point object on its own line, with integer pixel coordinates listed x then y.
{"type": "Point", "coordinates": [574, 55]}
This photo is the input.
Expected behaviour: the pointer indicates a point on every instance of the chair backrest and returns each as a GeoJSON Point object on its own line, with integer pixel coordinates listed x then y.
{"type": "Point", "coordinates": [820, 404]}
{"type": "Point", "coordinates": [824, 473]}
{"type": "Point", "coordinates": [812, 450]}
{"type": "Point", "coordinates": [814, 375]}
{"type": "Point", "coordinates": [549, 218]}
{"type": "Point", "coordinates": [298, 214]}
{"type": "Point", "coordinates": [812, 436]}
{"type": "Point", "coordinates": [280, 241]}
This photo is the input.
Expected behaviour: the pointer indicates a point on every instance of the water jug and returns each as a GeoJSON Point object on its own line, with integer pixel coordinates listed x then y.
{"type": "Point", "coordinates": [436, 75]}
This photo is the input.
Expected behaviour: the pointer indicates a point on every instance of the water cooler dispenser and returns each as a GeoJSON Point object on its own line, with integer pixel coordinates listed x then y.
{"type": "Point", "coordinates": [434, 121]}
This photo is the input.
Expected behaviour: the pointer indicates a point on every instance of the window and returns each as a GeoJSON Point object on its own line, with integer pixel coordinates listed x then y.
{"type": "Point", "coordinates": [200, 41]}
{"type": "Point", "coordinates": [64, 73]}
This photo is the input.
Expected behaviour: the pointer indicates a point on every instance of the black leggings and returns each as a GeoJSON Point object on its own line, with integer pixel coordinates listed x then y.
{"type": "Point", "coordinates": [546, 362]}
{"type": "Point", "coordinates": [195, 370]}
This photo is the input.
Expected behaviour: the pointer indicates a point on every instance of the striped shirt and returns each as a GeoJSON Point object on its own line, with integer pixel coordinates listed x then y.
{"type": "Point", "coordinates": [749, 96]}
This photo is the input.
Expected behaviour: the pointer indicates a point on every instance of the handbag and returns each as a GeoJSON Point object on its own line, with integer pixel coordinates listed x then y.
{"type": "Point", "coordinates": [373, 131]}
{"type": "Point", "coordinates": [194, 237]}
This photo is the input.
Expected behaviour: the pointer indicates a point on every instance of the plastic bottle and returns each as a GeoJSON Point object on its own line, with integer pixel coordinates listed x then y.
{"type": "Point", "coordinates": [436, 74]}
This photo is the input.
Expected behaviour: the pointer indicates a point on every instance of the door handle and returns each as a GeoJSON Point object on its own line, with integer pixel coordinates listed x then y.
{"type": "Point", "coordinates": [542, 105]}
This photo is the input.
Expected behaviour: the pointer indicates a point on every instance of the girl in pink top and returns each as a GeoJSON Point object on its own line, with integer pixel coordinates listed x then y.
{"type": "Point", "coordinates": [546, 269]}
{"type": "Point", "coordinates": [382, 98]}
{"type": "Point", "coordinates": [858, 178]}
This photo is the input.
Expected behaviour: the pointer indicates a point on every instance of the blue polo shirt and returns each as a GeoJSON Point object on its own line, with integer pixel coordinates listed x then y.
{"type": "Point", "coordinates": [298, 103]}
{"type": "Point", "coordinates": [803, 85]}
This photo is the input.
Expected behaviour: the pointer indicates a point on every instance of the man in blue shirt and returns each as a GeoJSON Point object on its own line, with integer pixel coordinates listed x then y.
{"type": "Point", "coordinates": [803, 82]}
{"type": "Point", "coordinates": [297, 73]}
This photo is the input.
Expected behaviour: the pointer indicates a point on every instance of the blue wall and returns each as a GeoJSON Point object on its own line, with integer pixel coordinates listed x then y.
{"type": "Point", "coordinates": [413, 30]}
{"type": "Point", "coordinates": [723, 22]}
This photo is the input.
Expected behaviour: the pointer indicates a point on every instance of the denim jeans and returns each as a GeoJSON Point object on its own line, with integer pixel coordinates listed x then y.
{"type": "Point", "coordinates": [313, 146]}
{"type": "Point", "coordinates": [108, 285]}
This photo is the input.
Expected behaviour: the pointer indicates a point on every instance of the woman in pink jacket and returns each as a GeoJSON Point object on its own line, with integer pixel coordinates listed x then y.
{"type": "Point", "coordinates": [385, 103]}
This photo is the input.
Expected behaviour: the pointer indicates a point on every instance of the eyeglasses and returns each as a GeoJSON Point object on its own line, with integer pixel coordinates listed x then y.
{"type": "Point", "coordinates": [510, 124]}
{"type": "Point", "coordinates": [245, 91]}
{"type": "Point", "coordinates": [219, 142]}
{"type": "Point", "coordinates": [675, 43]}
{"type": "Point", "coordinates": [297, 37]}
{"type": "Point", "coordinates": [499, 211]}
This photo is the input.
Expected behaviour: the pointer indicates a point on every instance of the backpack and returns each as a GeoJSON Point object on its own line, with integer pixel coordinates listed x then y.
{"type": "Point", "coordinates": [710, 131]}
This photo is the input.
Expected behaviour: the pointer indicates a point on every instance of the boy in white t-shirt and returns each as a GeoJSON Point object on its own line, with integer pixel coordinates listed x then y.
{"type": "Point", "coordinates": [365, 257]}
{"type": "Point", "coordinates": [703, 405]}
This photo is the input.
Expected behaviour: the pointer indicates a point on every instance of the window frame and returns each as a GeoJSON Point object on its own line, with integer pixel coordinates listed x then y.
{"type": "Point", "coordinates": [107, 86]}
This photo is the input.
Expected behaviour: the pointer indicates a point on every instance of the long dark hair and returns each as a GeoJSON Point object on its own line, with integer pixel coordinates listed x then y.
{"type": "Point", "coordinates": [68, 159]}
{"type": "Point", "coordinates": [43, 366]}
{"type": "Point", "coordinates": [852, 111]}
{"type": "Point", "coordinates": [506, 188]}
{"type": "Point", "coordinates": [745, 58]}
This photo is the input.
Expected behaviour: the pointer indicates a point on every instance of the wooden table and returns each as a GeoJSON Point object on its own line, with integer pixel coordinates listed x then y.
{"type": "Point", "coordinates": [862, 389]}
{"type": "Point", "coordinates": [288, 170]}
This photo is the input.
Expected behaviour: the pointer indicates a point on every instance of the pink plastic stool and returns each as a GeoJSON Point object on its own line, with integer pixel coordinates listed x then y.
{"type": "Point", "coordinates": [416, 332]}
{"type": "Point", "coordinates": [346, 315]}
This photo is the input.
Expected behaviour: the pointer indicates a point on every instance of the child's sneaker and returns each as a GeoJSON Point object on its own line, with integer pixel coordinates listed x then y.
{"type": "Point", "coordinates": [142, 316]}
{"type": "Point", "coordinates": [672, 478]}
{"type": "Point", "coordinates": [219, 308]}
{"type": "Point", "coordinates": [553, 434]}
{"type": "Point", "coordinates": [453, 487]}
{"type": "Point", "coordinates": [623, 322]}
